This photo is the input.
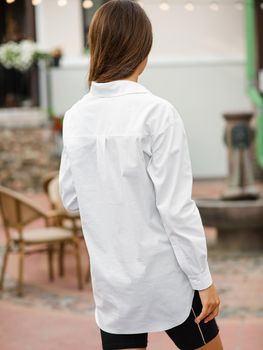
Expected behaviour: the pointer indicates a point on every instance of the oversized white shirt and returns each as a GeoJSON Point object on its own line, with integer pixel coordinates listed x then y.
{"type": "Point", "coordinates": [126, 168]}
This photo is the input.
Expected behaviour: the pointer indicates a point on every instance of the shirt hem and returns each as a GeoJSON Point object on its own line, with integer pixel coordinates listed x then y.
{"type": "Point", "coordinates": [164, 327]}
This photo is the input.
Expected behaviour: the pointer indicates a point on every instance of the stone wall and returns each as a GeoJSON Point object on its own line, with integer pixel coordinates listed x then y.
{"type": "Point", "coordinates": [27, 154]}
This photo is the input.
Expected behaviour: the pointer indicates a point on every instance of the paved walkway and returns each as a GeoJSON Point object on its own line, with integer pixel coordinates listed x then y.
{"type": "Point", "coordinates": [55, 315]}
{"type": "Point", "coordinates": [26, 328]}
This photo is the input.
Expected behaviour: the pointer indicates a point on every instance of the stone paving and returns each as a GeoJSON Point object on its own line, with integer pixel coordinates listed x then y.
{"type": "Point", "coordinates": [238, 278]}
{"type": "Point", "coordinates": [56, 315]}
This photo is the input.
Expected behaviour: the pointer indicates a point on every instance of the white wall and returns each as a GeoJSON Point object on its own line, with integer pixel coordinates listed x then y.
{"type": "Point", "coordinates": [197, 63]}
{"type": "Point", "coordinates": [60, 26]}
{"type": "Point", "coordinates": [202, 32]}
{"type": "Point", "coordinates": [201, 92]}
{"type": "Point", "coordinates": [177, 32]}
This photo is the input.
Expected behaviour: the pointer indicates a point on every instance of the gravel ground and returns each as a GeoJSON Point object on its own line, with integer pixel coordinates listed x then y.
{"type": "Point", "coordinates": [238, 277]}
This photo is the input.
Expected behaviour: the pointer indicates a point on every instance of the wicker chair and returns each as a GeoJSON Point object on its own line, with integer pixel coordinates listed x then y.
{"type": "Point", "coordinates": [69, 221]}
{"type": "Point", "coordinates": [17, 212]}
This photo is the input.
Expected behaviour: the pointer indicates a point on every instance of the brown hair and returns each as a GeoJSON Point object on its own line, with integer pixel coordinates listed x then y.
{"type": "Point", "coordinates": [120, 38]}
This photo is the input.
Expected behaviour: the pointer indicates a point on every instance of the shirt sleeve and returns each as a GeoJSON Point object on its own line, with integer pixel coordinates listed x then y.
{"type": "Point", "coordinates": [171, 173]}
{"type": "Point", "coordinates": [66, 184]}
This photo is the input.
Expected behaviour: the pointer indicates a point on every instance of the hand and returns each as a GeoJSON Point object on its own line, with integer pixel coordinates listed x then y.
{"type": "Point", "coordinates": [210, 301]}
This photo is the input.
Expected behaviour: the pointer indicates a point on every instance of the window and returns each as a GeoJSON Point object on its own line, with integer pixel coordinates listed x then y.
{"type": "Point", "coordinates": [88, 14]}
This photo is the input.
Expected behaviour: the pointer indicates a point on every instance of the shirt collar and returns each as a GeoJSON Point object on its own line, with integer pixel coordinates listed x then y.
{"type": "Point", "coordinates": [116, 88]}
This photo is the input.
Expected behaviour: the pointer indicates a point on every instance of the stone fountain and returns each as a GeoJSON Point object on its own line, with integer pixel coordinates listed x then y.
{"type": "Point", "coordinates": [238, 213]}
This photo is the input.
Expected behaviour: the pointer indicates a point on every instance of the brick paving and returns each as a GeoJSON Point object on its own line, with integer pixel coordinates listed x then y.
{"type": "Point", "coordinates": [29, 328]}
{"type": "Point", "coordinates": [56, 315]}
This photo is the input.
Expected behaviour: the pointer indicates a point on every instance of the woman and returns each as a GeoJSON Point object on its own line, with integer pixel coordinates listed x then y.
{"type": "Point", "coordinates": [126, 168]}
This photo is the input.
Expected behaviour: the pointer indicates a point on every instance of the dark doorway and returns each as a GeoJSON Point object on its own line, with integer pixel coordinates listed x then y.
{"type": "Point", "coordinates": [17, 22]}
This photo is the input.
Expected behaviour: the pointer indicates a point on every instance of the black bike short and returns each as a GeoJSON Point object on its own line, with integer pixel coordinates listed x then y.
{"type": "Point", "coordinates": [186, 336]}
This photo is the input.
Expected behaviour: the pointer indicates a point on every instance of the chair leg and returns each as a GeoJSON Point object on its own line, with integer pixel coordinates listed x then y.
{"type": "Point", "coordinates": [4, 267]}
{"type": "Point", "coordinates": [50, 262]}
{"type": "Point", "coordinates": [88, 273]}
{"type": "Point", "coordinates": [61, 258]}
{"type": "Point", "coordinates": [20, 269]}
{"type": "Point", "coordinates": [78, 262]}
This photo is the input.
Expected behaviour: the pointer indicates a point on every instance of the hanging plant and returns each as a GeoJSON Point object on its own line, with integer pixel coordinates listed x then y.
{"type": "Point", "coordinates": [20, 55]}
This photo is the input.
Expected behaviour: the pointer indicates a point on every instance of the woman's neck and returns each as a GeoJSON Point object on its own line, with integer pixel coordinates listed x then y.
{"type": "Point", "coordinates": [133, 77]}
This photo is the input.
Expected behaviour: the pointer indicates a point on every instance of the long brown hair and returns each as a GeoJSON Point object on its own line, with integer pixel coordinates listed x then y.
{"type": "Point", "coordinates": [120, 38]}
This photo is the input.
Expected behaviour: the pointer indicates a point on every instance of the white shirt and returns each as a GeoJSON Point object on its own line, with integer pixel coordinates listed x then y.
{"type": "Point", "coordinates": [126, 168]}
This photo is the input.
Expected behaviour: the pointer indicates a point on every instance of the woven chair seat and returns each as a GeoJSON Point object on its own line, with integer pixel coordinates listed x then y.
{"type": "Point", "coordinates": [68, 223]}
{"type": "Point", "coordinates": [45, 234]}
{"type": "Point", "coordinates": [18, 212]}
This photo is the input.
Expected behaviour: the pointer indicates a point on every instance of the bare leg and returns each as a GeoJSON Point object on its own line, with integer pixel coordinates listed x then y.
{"type": "Point", "coordinates": [214, 344]}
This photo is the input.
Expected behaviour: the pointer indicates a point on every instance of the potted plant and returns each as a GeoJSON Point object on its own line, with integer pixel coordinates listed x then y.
{"type": "Point", "coordinates": [56, 55]}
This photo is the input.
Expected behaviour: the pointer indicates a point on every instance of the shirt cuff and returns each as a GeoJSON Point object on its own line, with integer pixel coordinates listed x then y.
{"type": "Point", "coordinates": [201, 281]}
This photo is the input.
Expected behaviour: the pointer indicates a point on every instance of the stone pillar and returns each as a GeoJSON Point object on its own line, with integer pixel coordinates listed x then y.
{"type": "Point", "coordinates": [238, 136]}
